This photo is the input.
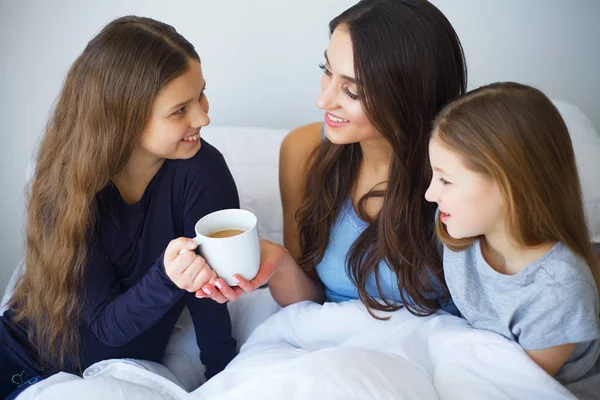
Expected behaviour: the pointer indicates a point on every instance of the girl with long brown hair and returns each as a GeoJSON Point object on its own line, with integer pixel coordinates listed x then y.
{"type": "Point", "coordinates": [518, 259]}
{"type": "Point", "coordinates": [355, 221]}
{"type": "Point", "coordinates": [121, 178]}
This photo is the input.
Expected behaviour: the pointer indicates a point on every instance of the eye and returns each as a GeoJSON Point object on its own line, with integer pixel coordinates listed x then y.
{"type": "Point", "coordinates": [444, 182]}
{"type": "Point", "coordinates": [179, 111]}
{"type": "Point", "coordinates": [350, 94]}
{"type": "Point", "coordinates": [325, 70]}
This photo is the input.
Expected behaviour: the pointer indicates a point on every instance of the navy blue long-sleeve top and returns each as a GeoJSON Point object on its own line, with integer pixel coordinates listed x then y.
{"type": "Point", "coordinates": [129, 304]}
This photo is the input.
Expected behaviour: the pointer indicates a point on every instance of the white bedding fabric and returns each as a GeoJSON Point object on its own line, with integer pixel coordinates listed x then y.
{"type": "Point", "coordinates": [181, 373]}
{"type": "Point", "coordinates": [336, 351]}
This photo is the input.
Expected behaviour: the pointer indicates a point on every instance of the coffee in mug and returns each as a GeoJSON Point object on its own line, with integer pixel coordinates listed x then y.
{"type": "Point", "coordinates": [226, 233]}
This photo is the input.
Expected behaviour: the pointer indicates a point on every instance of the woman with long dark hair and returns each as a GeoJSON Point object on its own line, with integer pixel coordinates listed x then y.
{"type": "Point", "coordinates": [356, 223]}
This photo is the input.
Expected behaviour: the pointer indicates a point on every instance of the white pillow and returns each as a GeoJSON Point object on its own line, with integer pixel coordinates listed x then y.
{"type": "Point", "coordinates": [252, 155]}
{"type": "Point", "coordinates": [586, 144]}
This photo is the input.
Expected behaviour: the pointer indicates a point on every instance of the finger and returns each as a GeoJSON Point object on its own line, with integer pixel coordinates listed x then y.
{"type": "Point", "coordinates": [180, 263]}
{"type": "Point", "coordinates": [245, 285]}
{"type": "Point", "coordinates": [176, 245]}
{"type": "Point", "coordinates": [271, 256]}
{"type": "Point", "coordinates": [213, 277]}
{"type": "Point", "coordinates": [202, 277]}
{"type": "Point", "coordinates": [193, 267]}
{"type": "Point", "coordinates": [238, 291]}
{"type": "Point", "coordinates": [214, 293]}
{"type": "Point", "coordinates": [189, 247]}
{"type": "Point", "coordinates": [226, 290]}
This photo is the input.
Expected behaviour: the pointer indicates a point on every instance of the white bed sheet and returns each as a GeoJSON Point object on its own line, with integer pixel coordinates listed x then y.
{"type": "Point", "coordinates": [336, 351]}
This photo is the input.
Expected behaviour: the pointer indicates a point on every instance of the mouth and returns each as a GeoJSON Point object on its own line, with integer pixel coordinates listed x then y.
{"type": "Point", "coordinates": [191, 139]}
{"type": "Point", "coordinates": [334, 120]}
{"type": "Point", "coordinates": [444, 217]}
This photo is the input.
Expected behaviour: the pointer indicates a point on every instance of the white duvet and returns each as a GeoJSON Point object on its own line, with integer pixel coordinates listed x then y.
{"type": "Point", "coordinates": [336, 351]}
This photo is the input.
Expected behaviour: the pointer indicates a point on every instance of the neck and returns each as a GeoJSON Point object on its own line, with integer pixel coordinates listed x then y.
{"type": "Point", "coordinates": [134, 178]}
{"type": "Point", "coordinates": [376, 156]}
{"type": "Point", "coordinates": [506, 256]}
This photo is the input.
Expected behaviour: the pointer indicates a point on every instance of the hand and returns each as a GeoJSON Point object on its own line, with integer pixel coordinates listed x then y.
{"type": "Point", "coordinates": [185, 268]}
{"type": "Point", "coordinates": [271, 256]}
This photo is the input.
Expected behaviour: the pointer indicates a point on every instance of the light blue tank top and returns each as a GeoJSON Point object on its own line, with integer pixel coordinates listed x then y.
{"type": "Point", "coordinates": [332, 269]}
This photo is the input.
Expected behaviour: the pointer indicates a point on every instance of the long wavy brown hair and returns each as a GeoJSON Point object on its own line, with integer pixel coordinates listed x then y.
{"type": "Point", "coordinates": [514, 134]}
{"type": "Point", "coordinates": [410, 63]}
{"type": "Point", "coordinates": [104, 106]}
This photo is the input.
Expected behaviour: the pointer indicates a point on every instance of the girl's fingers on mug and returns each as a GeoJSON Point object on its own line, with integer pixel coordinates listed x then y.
{"type": "Point", "coordinates": [193, 268]}
{"type": "Point", "coordinates": [202, 278]}
{"type": "Point", "coordinates": [174, 268]}
{"type": "Point", "coordinates": [175, 247]}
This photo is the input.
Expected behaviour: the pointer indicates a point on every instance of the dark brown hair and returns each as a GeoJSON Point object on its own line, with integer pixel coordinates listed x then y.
{"type": "Point", "coordinates": [104, 105]}
{"type": "Point", "coordinates": [514, 134]}
{"type": "Point", "coordinates": [410, 64]}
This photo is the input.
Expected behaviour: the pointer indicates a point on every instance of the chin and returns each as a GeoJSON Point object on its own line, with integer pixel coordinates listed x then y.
{"type": "Point", "coordinates": [456, 235]}
{"type": "Point", "coordinates": [462, 234]}
{"type": "Point", "coordinates": [335, 136]}
{"type": "Point", "coordinates": [189, 153]}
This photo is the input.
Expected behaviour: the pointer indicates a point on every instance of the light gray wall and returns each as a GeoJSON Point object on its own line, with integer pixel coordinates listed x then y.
{"type": "Point", "coordinates": [260, 60]}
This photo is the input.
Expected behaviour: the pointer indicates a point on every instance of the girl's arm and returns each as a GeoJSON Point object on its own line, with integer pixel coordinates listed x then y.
{"type": "Point", "coordinates": [552, 358]}
{"type": "Point", "coordinates": [564, 314]}
{"type": "Point", "coordinates": [116, 315]}
{"type": "Point", "coordinates": [214, 337]}
{"type": "Point", "coordinates": [290, 284]}
{"type": "Point", "coordinates": [211, 189]}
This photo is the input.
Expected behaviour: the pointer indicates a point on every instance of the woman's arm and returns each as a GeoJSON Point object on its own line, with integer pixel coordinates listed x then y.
{"type": "Point", "coordinates": [290, 283]}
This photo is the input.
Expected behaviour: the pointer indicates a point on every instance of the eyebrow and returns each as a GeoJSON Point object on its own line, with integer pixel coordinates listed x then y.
{"type": "Point", "coordinates": [184, 103]}
{"type": "Point", "coordinates": [440, 170]}
{"type": "Point", "coordinates": [346, 77]}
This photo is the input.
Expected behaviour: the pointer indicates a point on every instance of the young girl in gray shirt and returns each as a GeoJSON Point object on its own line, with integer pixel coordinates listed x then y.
{"type": "Point", "coordinates": [518, 259]}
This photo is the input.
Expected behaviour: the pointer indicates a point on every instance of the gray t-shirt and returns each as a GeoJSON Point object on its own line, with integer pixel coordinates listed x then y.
{"type": "Point", "coordinates": [553, 301]}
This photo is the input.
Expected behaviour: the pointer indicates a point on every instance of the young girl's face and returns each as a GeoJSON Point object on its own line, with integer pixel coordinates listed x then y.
{"type": "Point", "coordinates": [345, 120]}
{"type": "Point", "coordinates": [178, 113]}
{"type": "Point", "coordinates": [469, 202]}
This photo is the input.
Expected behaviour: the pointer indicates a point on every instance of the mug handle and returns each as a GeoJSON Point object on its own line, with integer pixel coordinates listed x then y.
{"type": "Point", "coordinates": [196, 239]}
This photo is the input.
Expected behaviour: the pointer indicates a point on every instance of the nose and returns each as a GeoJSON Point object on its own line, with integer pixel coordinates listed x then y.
{"type": "Point", "coordinates": [430, 194]}
{"type": "Point", "coordinates": [199, 117]}
{"type": "Point", "coordinates": [327, 99]}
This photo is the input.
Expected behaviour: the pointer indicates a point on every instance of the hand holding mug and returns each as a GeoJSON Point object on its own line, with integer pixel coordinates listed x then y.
{"type": "Point", "coordinates": [228, 241]}
{"type": "Point", "coordinates": [271, 257]}
{"type": "Point", "coordinates": [186, 269]}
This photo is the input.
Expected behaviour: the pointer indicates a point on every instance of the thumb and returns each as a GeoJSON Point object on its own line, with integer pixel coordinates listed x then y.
{"type": "Point", "coordinates": [179, 246]}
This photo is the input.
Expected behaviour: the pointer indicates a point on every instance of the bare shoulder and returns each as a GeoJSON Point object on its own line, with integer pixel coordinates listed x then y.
{"type": "Point", "coordinates": [300, 143]}
{"type": "Point", "coordinates": [296, 150]}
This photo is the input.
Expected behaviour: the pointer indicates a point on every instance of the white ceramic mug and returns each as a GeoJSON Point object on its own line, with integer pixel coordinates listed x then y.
{"type": "Point", "coordinates": [227, 256]}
